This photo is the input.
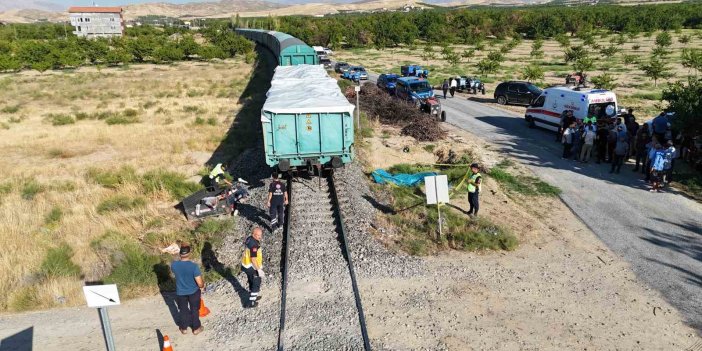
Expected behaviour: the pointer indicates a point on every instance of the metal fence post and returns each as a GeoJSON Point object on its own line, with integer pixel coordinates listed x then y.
{"type": "Point", "coordinates": [106, 329]}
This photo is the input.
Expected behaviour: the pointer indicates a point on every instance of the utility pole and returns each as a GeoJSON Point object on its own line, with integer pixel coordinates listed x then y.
{"type": "Point", "coordinates": [357, 89]}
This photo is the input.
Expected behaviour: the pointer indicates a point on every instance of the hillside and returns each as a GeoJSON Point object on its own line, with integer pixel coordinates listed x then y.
{"type": "Point", "coordinates": [31, 11]}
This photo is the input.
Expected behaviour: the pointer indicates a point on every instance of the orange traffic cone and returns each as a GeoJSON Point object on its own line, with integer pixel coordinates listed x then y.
{"type": "Point", "coordinates": [167, 344]}
{"type": "Point", "coordinates": [204, 311]}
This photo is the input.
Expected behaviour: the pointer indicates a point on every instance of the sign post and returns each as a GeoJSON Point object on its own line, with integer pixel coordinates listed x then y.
{"type": "Point", "coordinates": [357, 89]}
{"type": "Point", "coordinates": [437, 194]}
{"type": "Point", "coordinates": [101, 297]}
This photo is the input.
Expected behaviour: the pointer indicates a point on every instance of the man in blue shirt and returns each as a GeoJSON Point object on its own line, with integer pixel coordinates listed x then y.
{"type": "Point", "coordinates": [660, 125]}
{"type": "Point", "coordinates": [189, 284]}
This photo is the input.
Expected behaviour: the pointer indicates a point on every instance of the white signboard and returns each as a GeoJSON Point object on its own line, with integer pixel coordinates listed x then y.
{"type": "Point", "coordinates": [101, 295]}
{"type": "Point", "coordinates": [437, 189]}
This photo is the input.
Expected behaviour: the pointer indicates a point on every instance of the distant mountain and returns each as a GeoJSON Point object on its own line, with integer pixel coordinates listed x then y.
{"type": "Point", "coordinates": [6, 5]}
{"type": "Point", "coordinates": [197, 9]}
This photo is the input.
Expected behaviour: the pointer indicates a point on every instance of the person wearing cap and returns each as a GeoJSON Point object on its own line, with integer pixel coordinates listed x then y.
{"type": "Point", "coordinates": [252, 265]}
{"type": "Point", "coordinates": [475, 181]}
{"type": "Point", "coordinates": [216, 175]}
{"type": "Point", "coordinates": [189, 286]}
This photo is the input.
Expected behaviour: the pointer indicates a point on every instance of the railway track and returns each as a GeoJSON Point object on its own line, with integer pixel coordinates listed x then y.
{"type": "Point", "coordinates": [320, 304]}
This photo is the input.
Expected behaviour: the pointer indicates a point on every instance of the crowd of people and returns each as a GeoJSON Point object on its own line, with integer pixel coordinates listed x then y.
{"type": "Point", "coordinates": [652, 144]}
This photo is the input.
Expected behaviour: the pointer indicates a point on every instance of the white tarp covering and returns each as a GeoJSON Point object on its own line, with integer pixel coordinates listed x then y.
{"type": "Point", "coordinates": [304, 89]}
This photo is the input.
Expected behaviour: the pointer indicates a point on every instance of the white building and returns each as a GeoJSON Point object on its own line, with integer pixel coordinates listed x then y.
{"type": "Point", "coordinates": [94, 22]}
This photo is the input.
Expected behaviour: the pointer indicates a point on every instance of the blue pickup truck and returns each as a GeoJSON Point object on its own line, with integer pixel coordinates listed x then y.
{"type": "Point", "coordinates": [419, 92]}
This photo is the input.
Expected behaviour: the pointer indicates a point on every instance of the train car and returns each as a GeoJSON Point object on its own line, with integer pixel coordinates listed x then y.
{"type": "Point", "coordinates": [289, 50]}
{"type": "Point", "coordinates": [307, 122]}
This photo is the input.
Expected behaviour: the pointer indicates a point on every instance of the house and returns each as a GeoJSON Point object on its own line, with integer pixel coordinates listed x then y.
{"type": "Point", "coordinates": [95, 21]}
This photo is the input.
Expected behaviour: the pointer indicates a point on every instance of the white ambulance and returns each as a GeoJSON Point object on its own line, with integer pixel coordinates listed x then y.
{"type": "Point", "coordinates": [545, 111]}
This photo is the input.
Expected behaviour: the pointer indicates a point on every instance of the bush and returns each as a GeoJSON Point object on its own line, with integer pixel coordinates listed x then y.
{"type": "Point", "coordinates": [31, 188]}
{"type": "Point", "coordinates": [120, 203]}
{"type": "Point", "coordinates": [11, 109]}
{"type": "Point", "coordinates": [53, 217]}
{"type": "Point", "coordinates": [57, 263]}
{"type": "Point", "coordinates": [24, 299]}
{"type": "Point", "coordinates": [479, 234]}
{"type": "Point", "coordinates": [60, 119]}
{"type": "Point", "coordinates": [112, 179]}
{"type": "Point", "coordinates": [128, 116]}
{"type": "Point", "coordinates": [174, 183]}
{"type": "Point", "coordinates": [133, 267]}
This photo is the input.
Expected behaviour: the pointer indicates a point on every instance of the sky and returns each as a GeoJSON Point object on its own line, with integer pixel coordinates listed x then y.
{"type": "Point", "coordinates": [68, 3]}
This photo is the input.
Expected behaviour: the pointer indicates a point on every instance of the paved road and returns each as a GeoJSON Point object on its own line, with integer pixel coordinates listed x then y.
{"type": "Point", "coordinates": [660, 235]}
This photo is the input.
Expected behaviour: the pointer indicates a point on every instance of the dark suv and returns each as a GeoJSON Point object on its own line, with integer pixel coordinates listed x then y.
{"type": "Point", "coordinates": [341, 67]}
{"type": "Point", "coordinates": [516, 93]}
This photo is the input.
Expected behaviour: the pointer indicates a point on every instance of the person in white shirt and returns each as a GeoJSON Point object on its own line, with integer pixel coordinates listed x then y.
{"type": "Point", "coordinates": [454, 85]}
{"type": "Point", "coordinates": [588, 142]}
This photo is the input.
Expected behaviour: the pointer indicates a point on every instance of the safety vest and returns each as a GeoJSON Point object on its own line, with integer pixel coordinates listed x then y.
{"type": "Point", "coordinates": [216, 171]}
{"type": "Point", "coordinates": [471, 186]}
{"type": "Point", "coordinates": [592, 119]}
{"type": "Point", "coordinates": [246, 259]}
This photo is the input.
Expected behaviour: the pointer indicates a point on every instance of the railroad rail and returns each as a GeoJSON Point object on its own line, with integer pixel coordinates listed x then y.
{"type": "Point", "coordinates": [314, 216]}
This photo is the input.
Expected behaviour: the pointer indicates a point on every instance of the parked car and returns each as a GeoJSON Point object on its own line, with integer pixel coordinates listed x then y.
{"type": "Point", "coordinates": [387, 82]}
{"type": "Point", "coordinates": [414, 71]}
{"type": "Point", "coordinates": [470, 84]}
{"type": "Point", "coordinates": [341, 67]}
{"type": "Point", "coordinates": [328, 51]}
{"type": "Point", "coordinates": [516, 93]}
{"type": "Point", "coordinates": [355, 73]}
{"type": "Point", "coordinates": [325, 62]}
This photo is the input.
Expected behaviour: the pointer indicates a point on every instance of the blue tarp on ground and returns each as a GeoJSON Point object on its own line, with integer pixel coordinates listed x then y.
{"type": "Point", "coordinates": [381, 176]}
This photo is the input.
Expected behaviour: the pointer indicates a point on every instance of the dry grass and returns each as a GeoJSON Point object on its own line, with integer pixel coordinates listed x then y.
{"type": "Point", "coordinates": [130, 117]}
{"type": "Point", "coordinates": [635, 89]}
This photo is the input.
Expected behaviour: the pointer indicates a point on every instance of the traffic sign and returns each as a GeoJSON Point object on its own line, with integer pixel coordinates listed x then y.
{"type": "Point", "coordinates": [437, 189]}
{"type": "Point", "coordinates": [101, 295]}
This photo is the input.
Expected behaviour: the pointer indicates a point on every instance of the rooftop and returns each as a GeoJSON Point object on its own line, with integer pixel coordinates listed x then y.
{"type": "Point", "coordinates": [94, 9]}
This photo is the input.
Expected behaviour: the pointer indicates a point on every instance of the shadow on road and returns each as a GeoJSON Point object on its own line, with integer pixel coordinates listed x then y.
{"type": "Point", "coordinates": [21, 341]}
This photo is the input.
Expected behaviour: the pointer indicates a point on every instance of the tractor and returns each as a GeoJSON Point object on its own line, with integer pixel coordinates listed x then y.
{"type": "Point", "coordinates": [419, 92]}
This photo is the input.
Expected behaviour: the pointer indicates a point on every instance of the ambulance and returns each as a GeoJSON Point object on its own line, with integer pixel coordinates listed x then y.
{"type": "Point", "coordinates": [545, 111]}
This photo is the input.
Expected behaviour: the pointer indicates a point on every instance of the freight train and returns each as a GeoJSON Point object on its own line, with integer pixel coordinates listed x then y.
{"type": "Point", "coordinates": [307, 121]}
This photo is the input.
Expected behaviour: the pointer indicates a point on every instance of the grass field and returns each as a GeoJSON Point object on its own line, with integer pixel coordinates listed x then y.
{"type": "Point", "coordinates": [93, 162]}
{"type": "Point", "coordinates": [634, 88]}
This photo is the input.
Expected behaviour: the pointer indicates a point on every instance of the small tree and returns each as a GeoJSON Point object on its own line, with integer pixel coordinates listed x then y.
{"type": "Point", "coordinates": [684, 39]}
{"type": "Point", "coordinates": [563, 40]}
{"type": "Point", "coordinates": [583, 64]}
{"type": "Point", "coordinates": [630, 59]}
{"type": "Point", "coordinates": [536, 51]}
{"type": "Point", "coordinates": [532, 73]}
{"type": "Point", "coordinates": [692, 59]}
{"type": "Point", "coordinates": [604, 81]}
{"type": "Point", "coordinates": [636, 47]}
{"type": "Point", "coordinates": [487, 66]}
{"type": "Point", "coordinates": [663, 39]}
{"type": "Point", "coordinates": [620, 39]}
{"type": "Point", "coordinates": [450, 56]}
{"type": "Point", "coordinates": [467, 54]}
{"type": "Point", "coordinates": [9, 63]}
{"type": "Point", "coordinates": [655, 69]}
{"type": "Point", "coordinates": [574, 53]}
{"type": "Point", "coordinates": [686, 102]}
{"type": "Point", "coordinates": [660, 51]}
{"type": "Point", "coordinates": [495, 56]}
{"type": "Point", "coordinates": [428, 53]}
{"type": "Point", "coordinates": [609, 51]}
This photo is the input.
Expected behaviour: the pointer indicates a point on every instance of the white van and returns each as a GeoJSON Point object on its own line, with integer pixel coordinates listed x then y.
{"type": "Point", "coordinates": [545, 111]}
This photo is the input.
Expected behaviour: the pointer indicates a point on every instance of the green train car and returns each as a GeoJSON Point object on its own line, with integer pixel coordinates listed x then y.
{"type": "Point", "coordinates": [306, 121]}
{"type": "Point", "coordinates": [289, 50]}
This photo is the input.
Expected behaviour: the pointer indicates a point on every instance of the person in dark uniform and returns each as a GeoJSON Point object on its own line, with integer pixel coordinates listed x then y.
{"type": "Point", "coordinates": [217, 175]}
{"type": "Point", "coordinates": [474, 184]}
{"type": "Point", "coordinates": [277, 200]}
{"type": "Point", "coordinates": [252, 265]}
